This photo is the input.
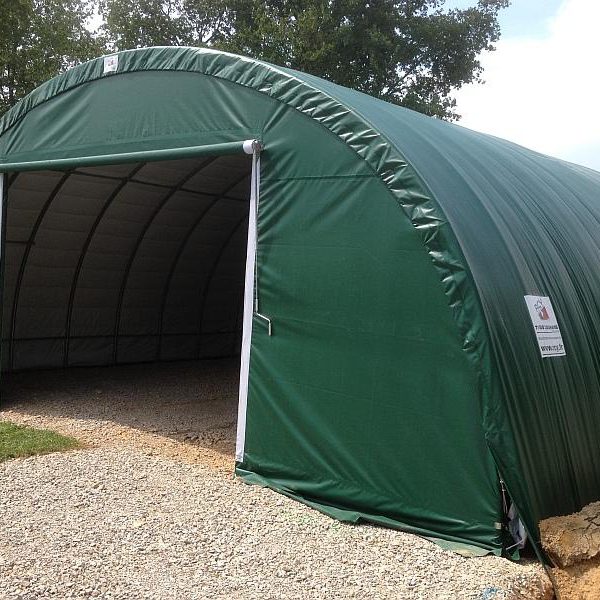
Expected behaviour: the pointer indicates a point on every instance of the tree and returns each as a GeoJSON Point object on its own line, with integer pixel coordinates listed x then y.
{"type": "Point", "coordinates": [140, 23]}
{"type": "Point", "coordinates": [410, 52]}
{"type": "Point", "coordinates": [38, 39]}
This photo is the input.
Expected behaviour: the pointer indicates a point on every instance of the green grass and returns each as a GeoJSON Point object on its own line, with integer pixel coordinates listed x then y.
{"type": "Point", "coordinates": [19, 441]}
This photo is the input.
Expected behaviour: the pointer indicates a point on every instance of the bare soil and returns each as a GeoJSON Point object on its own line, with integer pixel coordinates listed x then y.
{"type": "Point", "coordinates": [186, 411]}
{"type": "Point", "coordinates": [573, 538]}
{"type": "Point", "coordinates": [580, 581]}
{"type": "Point", "coordinates": [573, 543]}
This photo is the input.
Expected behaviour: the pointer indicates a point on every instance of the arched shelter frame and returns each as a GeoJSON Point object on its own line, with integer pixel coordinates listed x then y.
{"type": "Point", "coordinates": [381, 159]}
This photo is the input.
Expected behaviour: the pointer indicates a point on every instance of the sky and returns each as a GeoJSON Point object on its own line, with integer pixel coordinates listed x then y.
{"type": "Point", "coordinates": [542, 87]}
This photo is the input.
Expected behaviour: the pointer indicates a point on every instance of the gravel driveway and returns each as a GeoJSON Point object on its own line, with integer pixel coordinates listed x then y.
{"type": "Point", "coordinates": [150, 509]}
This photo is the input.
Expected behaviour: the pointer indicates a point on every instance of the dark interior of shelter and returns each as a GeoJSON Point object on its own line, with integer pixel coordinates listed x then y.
{"type": "Point", "coordinates": [126, 263]}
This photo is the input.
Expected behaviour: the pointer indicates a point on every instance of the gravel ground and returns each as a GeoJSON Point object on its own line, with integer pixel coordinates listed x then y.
{"type": "Point", "coordinates": [150, 509]}
{"type": "Point", "coordinates": [185, 410]}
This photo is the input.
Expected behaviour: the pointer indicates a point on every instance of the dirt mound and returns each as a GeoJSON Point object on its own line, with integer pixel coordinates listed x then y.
{"type": "Point", "coordinates": [573, 544]}
{"type": "Point", "coordinates": [580, 581]}
{"type": "Point", "coordinates": [574, 538]}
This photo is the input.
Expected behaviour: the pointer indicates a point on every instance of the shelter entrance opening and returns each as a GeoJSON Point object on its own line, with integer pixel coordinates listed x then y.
{"type": "Point", "coordinates": [127, 263]}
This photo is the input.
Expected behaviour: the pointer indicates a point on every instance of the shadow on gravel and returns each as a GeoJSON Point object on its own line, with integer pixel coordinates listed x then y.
{"type": "Point", "coordinates": [193, 403]}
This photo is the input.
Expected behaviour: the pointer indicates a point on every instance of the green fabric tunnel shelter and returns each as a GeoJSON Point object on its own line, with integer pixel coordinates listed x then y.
{"type": "Point", "coordinates": [421, 314]}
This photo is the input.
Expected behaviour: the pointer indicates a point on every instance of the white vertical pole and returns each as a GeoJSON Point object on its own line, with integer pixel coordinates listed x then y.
{"type": "Point", "coordinates": [248, 304]}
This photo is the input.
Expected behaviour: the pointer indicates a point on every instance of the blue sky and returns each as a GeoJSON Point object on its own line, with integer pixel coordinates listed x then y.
{"type": "Point", "coordinates": [528, 17]}
{"type": "Point", "coordinates": [541, 87]}
{"type": "Point", "coordinates": [523, 18]}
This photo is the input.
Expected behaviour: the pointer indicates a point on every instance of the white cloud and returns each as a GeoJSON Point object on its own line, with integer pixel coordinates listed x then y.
{"type": "Point", "coordinates": [544, 92]}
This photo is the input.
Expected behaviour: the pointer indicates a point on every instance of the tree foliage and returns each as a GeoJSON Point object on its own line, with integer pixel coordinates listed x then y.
{"type": "Point", "coordinates": [410, 52]}
{"type": "Point", "coordinates": [38, 39]}
{"type": "Point", "coordinates": [141, 23]}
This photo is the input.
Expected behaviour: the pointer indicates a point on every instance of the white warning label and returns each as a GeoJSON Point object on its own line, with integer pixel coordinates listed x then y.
{"type": "Point", "coordinates": [545, 326]}
{"type": "Point", "coordinates": [111, 63]}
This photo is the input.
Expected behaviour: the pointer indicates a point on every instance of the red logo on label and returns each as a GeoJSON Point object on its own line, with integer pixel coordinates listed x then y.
{"type": "Point", "coordinates": [541, 310]}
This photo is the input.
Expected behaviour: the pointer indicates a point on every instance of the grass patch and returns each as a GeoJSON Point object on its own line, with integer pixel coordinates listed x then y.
{"type": "Point", "coordinates": [19, 441]}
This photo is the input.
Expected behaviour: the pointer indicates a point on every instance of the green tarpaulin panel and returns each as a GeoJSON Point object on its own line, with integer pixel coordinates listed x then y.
{"type": "Point", "coordinates": [433, 292]}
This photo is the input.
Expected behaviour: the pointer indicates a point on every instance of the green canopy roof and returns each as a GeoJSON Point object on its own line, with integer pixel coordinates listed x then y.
{"type": "Point", "coordinates": [433, 291]}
